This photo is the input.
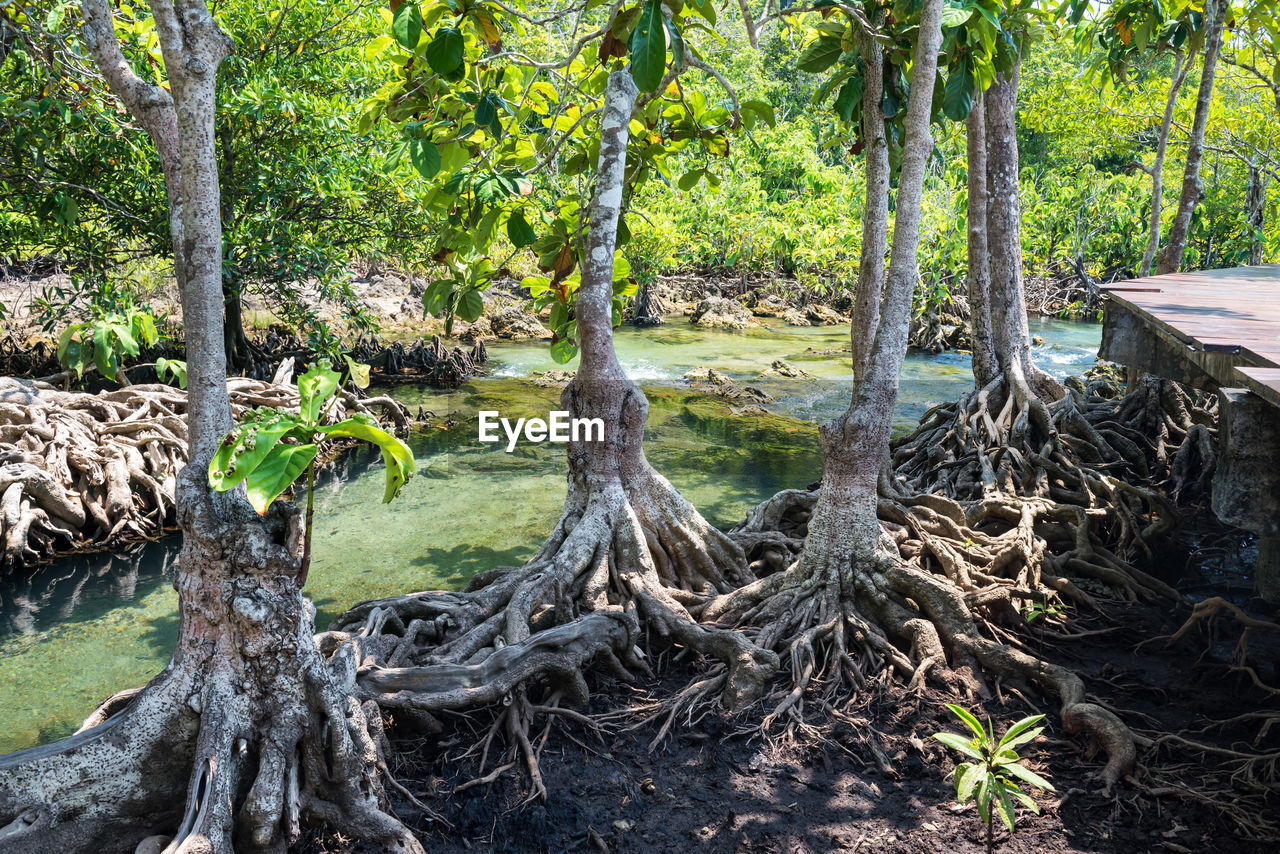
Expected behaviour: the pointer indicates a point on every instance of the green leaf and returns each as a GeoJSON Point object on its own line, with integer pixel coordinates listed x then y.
{"type": "Point", "coordinates": [970, 721]}
{"type": "Point", "coordinates": [103, 354]}
{"type": "Point", "coordinates": [486, 110]}
{"type": "Point", "coordinates": [278, 471]}
{"type": "Point", "coordinates": [957, 96]}
{"type": "Point", "coordinates": [394, 155]}
{"type": "Point", "coordinates": [357, 371]}
{"type": "Point", "coordinates": [1008, 743]}
{"type": "Point", "coordinates": [395, 454]}
{"type": "Point", "coordinates": [958, 742]}
{"type": "Point", "coordinates": [967, 781]}
{"type": "Point", "coordinates": [953, 17]}
{"type": "Point", "coordinates": [1025, 774]}
{"type": "Point", "coordinates": [820, 55]}
{"type": "Point", "coordinates": [1011, 737]}
{"type": "Point", "coordinates": [690, 179]}
{"type": "Point", "coordinates": [849, 98]}
{"type": "Point", "coordinates": [677, 44]}
{"type": "Point", "coordinates": [245, 448]}
{"type": "Point", "coordinates": [470, 305]}
{"type": "Point", "coordinates": [1004, 805]}
{"type": "Point", "coordinates": [315, 388]}
{"type": "Point", "coordinates": [177, 367]}
{"type": "Point", "coordinates": [519, 232]}
{"type": "Point", "coordinates": [64, 341]}
{"type": "Point", "coordinates": [648, 47]}
{"type": "Point", "coordinates": [144, 328]}
{"type": "Point", "coordinates": [762, 109]}
{"type": "Point", "coordinates": [563, 351]}
{"type": "Point", "coordinates": [425, 157]}
{"type": "Point", "coordinates": [444, 52]}
{"type": "Point", "coordinates": [406, 26]}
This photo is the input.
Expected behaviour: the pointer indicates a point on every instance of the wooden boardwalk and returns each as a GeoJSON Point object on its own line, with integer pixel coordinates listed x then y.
{"type": "Point", "coordinates": [1224, 323]}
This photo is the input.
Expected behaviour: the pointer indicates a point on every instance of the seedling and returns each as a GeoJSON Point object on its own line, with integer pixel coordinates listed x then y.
{"type": "Point", "coordinates": [989, 779]}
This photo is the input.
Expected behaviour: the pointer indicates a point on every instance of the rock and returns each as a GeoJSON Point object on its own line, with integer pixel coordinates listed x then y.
{"type": "Point", "coordinates": [152, 845]}
{"type": "Point", "coordinates": [719, 312]}
{"type": "Point", "coordinates": [552, 379]}
{"type": "Point", "coordinates": [792, 317]}
{"type": "Point", "coordinates": [821, 315]}
{"type": "Point", "coordinates": [716, 382]}
{"type": "Point", "coordinates": [780, 368]}
{"type": "Point", "coordinates": [770, 306]}
{"type": "Point", "coordinates": [516, 324]}
{"type": "Point", "coordinates": [477, 331]}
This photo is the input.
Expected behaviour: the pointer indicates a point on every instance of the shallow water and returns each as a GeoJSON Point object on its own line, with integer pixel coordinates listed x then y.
{"type": "Point", "coordinates": [77, 630]}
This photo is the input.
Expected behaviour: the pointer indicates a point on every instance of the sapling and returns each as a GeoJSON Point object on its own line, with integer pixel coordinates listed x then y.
{"type": "Point", "coordinates": [269, 450]}
{"type": "Point", "coordinates": [989, 779]}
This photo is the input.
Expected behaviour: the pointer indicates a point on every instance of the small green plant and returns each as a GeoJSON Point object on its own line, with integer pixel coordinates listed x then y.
{"type": "Point", "coordinates": [989, 779]}
{"type": "Point", "coordinates": [105, 340]}
{"type": "Point", "coordinates": [269, 450]}
{"type": "Point", "coordinates": [1037, 610]}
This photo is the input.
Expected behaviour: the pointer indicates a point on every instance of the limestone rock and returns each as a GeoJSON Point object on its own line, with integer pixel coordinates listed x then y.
{"type": "Point", "coordinates": [795, 318]}
{"type": "Point", "coordinates": [719, 312]}
{"type": "Point", "coordinates": [515, 324]}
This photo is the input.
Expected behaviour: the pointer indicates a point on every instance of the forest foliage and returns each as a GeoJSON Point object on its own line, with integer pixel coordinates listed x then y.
{"type": "Point", "coordinates": [454, 138]}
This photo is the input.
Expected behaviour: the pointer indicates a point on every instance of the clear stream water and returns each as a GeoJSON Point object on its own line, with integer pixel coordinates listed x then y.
{"type": "Point", "coordinates": [75, 631]}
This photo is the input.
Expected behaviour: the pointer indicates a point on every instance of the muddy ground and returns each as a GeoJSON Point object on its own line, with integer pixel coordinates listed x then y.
{"type": "Point", "coordinates": [712, 788]}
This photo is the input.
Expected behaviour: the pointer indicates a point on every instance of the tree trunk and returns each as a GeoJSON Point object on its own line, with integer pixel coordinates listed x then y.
{"type": "Point", "coordinates": [875, 212]}
{"type": "Point", "coordinates": [248, 720]}
{"type": "Point", "coordinates": [986, 367]}
{"type": "Point", "coordinates": [1255, 206]}
{"type": "Point", "coordinates": [1216, 12]}
{"type": "Point", "coordinates": [1181, 65]}
{"type": "Point", "coordinates": [628, 548]}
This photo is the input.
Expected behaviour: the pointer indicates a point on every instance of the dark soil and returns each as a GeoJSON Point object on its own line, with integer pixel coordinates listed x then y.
{"type": "Point", "coordinates": [712, 788]}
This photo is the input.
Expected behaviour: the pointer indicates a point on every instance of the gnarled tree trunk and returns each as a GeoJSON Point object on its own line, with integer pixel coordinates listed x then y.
{"type": "Point", "coordinates": [248, 731]}
{"type": "Point", "coordinates": [1216, 12]}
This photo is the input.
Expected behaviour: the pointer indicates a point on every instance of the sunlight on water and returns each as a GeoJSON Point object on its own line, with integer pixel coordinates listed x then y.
{"type": "Point", "coordinates": [76, 631]}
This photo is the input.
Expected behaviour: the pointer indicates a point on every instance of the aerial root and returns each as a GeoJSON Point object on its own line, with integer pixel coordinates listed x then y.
{"type": "Point", "coordinates": [77, 468]}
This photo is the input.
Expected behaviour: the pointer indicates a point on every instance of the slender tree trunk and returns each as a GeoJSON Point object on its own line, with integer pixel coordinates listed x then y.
{"type": "Point", "coordinates": [1255, 206]}
{"type": "Point", "coordinates": [875, 211]}
{"type": "Point", "coordinates": [856, 445]}
{"type": "Point", "coordinates": [248, 720]}
{"type": "Point", "coordinates": [986, 367]}
{"type": "Point", "coordinates": [1216, 12]}
{"type": "Point", "coordinates": [1011, 333]}
{"type": "Point", "coordinates": [1181, 65]}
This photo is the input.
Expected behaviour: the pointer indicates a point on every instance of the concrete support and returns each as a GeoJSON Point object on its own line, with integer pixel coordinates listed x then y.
{"type": "Point", "coordinates": [1246, 486]}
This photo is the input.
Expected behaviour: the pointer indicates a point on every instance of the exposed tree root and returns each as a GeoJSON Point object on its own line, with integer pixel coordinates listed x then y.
{"type": "Point", "coordinates": [1087, 449]}
{"type": "Point", "coordinates": [249, 722]}
{"type": "Point", "coordinates": [81, 468]}
{"type": "Point", "coordinates": [629, 556]}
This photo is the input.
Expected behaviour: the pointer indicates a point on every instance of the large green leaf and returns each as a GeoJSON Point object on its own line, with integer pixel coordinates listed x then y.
{"type": "Point", "coordinates": [470, 305]}
{"type": "Point", "coordinates": [315, 387]}
{"type": "Point", "coordinates": [820, 55]}
{"type": "Point", "coordinates": [396, 454]}
{"type": "Point", "coordinates": [245, 448]}
{"type": "Point", "coordinates": [104, 355]}
{"type": "Point", "coordinates": [519, 232]}
{"type": "Point", "coordinates": [425, 157]}
{"type": "Point", "coordinates": [406, 26]}
{"type": "Point", "coordinates": [1011, 737]}
{"type": "Point", "coordinates": [648, 47]}
{"type": "Point", "coordinates": [957, 97]}
{"type": "Point", "coordinates": [444, 52]}
{"type": "Point", "coordinates": [276, 473]}
{"type": "Point", "coordinates": [850, 98]}
{"type": "Point", "coordinates": [1025, 774]}
{"type": "Point", "coordinates": [967, 778]}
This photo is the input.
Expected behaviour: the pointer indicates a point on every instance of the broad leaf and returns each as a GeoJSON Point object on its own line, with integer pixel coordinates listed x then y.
{"type": "Point", "coordinates": [1011, 737]}
{"type": "Point", "coordinates": [967, 778]}
{"type": "Point", "coordinates": [406, 26]}
{"type": "Point", "coordinates": [357, 371]}
{"type": "Point", "coordinates": [648, 47]}
{"type": "Point", "coordinates": [970, 721]}
{"type": "Point", "coordinates": [445, 50]}
{"type": "Point", "coordinates": [245, 448]}
{"type": "Point", "coordinates": [277, 473]}
{"type": "Point", "coordinates": [315, 387]}
{"type": "Point", "coordinates": [470, 305]}
{"type": "Point", "coordinates": [1025, 774]}
{"type": "Point", "coordinates": [820, 55]}
{"type": "Point", "coordinates": [396, 454]}
{"type": "Point", "coordinates": [957, 97]}
{"type": "Point", "coordinates": [519, 232]}
{"type": "Point", "coordinates": [425, 157]}
{"type": "Point", "coordinates": [1004, 805]}
{"type": "Point", "coordinates": [563, 351]}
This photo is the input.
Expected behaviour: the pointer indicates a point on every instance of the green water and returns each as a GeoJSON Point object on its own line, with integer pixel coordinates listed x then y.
{"type": "Point", "coordinates": [75, 631]}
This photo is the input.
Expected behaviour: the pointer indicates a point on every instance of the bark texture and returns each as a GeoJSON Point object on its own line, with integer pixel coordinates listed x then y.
{"type": "Point", "coordinates": [986, 367]}
{"type": "Point", "coordinates": [875, 212]}
{"type": "Point", "coordinates": [1216, 12]}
